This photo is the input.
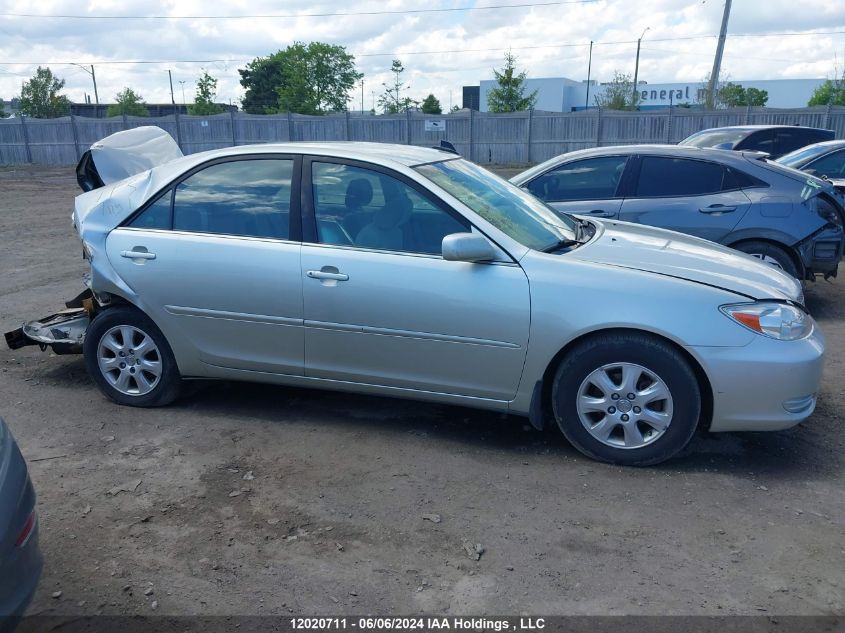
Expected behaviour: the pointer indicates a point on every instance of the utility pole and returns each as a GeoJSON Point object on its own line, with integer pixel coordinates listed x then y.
{"type": "Point", "coordinates": [172, 98]}
{"type": "Point", "coordinates": [717, 61]}
{"type": "Point", "coordinates": [362, 96]}
{"type": "Point", "coordinates": [637, 71]}
{"type": "Point", "coordinates": [589, 69]}
{"type": "Point", "coordinates": [94, 79]}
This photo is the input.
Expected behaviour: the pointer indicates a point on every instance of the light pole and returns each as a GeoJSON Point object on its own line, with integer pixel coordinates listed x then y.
{"type": "Point", "coordinates": [637, 69]}
{"type": "Point", "coordinates": [182, 83]}
{"type": "Point", "coordinates": [94, 79]}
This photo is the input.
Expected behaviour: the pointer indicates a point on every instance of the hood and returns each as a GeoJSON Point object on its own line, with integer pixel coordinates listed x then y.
{"type": "Point", "coordinates": [663, 252]}
{"type": "Point", "coordinates": [125, 154]}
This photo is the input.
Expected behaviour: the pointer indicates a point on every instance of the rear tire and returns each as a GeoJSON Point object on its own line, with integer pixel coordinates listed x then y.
{"type": "Point", "coordinates": [771, 254]}
{"type": "Point", "coordinates": [626, 398]}
{"type": "Point", "coordinates": [130, 360]}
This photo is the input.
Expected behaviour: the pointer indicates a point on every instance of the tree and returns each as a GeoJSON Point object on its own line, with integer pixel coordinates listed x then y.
{"type": "Point", "coordinates": [307, 79]}
{"type": "Point", "coordinates": [204, 104]}
{"type": "Point", "coordinates": [40, 96]}
{"type": "Point", "coordinates": [831, 92]}
{"type": "Point", "coordinates": [431, 105]}
{"type": "Point", "coordinates": [732, 95]}
{"type": "Point", "coordinates": [509, 93]}
{"type": "Point", "coordinates": [391, 101]}
{"type": "Point", "coordinates": [3, 114]}
{"type": "Point", "coordinates": [618, 94]}
{"type": "Point", "coordinates": [127, 102]}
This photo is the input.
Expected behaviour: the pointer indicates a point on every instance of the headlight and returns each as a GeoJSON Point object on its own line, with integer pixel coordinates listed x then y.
{"type": "Point", "coordinates": [775, 320]}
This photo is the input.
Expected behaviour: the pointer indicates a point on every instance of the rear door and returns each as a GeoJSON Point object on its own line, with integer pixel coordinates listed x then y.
{"type": "Point", "coordinates": [589, 186]}
{"type": "Point", "coordinates": [696, 197]}
{"type": "Point", "coordinates": [216, 263]}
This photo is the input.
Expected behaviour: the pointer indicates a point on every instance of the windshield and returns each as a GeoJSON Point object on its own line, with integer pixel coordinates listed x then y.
{"type": "Point", "coordinates": [513, 211]}
{"type": "Point", "coordinates": [801, 156]}
{"type": "Point", "coordinates": [727, 138]}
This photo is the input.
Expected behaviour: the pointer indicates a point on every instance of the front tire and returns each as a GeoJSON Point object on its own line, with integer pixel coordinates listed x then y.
{"type": "Point", "coordinates": [626, 398]}
{"type": "Point", "coordinates": [130, 360]}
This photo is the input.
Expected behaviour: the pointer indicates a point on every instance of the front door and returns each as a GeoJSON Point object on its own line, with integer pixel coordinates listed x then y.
{"type": "Point", "coordinates": [213, 264]}
{"type": "Point", "coordinates": [381, 305]}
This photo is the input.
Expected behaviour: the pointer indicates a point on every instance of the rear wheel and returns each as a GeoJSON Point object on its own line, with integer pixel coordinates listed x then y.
{"type": "Point", "coordinates": [626, 398]}
{"type": "Point", "coordinates": [130, 360]}
{"type": "Point", "coordinates": [771, 254]}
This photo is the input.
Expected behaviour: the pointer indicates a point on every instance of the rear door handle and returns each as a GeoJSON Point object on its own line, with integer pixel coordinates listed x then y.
{"type": "Point", "coordinates": [717, 208]}
{"type": "Point", "coordinates": [600, 213]}
{"type": "Point", "coordinates": [137, 254]}
{"type": "Point", "coordinates": [320, 274]}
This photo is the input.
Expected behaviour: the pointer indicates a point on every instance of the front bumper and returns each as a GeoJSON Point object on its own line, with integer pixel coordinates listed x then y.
{"type": "Point", "coordinates": [821, 252]}
{"type": "Point", "coordinates": [766, 385]}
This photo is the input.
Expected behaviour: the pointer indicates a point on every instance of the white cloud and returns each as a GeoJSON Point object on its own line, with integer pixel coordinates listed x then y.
{"type": "Point", "coordinates": [532, 33]}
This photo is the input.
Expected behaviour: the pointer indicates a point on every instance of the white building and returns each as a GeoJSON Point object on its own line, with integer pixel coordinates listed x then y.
{"type": "Point", "coordinates": [560, 94]}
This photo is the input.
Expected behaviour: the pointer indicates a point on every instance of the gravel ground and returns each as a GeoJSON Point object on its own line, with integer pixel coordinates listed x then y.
{"type": "Point", "coordinates": [249, 499]}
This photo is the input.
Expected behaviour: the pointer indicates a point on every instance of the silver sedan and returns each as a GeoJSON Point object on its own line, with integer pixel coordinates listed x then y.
{"type": "Point", "coordinates": [411, 272]}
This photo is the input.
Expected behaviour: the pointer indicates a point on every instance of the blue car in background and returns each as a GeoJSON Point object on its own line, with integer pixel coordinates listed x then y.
{"type": "Point", "coordinates": [20, 558]}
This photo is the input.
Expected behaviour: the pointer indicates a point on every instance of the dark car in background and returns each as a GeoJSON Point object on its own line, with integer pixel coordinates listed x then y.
{"type": "Point", "coordinates": [20, 557]}
{"type": "Point", "coordinates": [785, 217]}
{"type": "Point", "coordinates": [775, 140]}
{"type": "Point", "coordinates": [825, 160]}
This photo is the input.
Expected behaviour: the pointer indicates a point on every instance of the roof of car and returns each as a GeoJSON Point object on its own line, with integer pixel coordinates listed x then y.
{"type": "Point", "coordinates": [408, 155]}
{"type": "Point", "coordinates": [754, 128]}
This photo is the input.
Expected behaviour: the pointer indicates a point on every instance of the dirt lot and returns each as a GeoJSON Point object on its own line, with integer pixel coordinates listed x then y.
{"type": "Point", "coordinates": [334, 519]}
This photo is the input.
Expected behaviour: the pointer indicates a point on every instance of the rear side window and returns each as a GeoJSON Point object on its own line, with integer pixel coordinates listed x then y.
{"type": "Point", "coordinates": [155, 216]}
{"type": "Point", "coordinates": [790, 140]}
{"type": "Point", "coordinates": [661, 177]}
{"type": "Point", "coordinates": [249, 198]}
{"type": "Point", "coordinates": [588, 179]}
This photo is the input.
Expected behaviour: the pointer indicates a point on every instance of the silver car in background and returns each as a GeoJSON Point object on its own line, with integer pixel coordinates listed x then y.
{"type": "Point", "coordinates": [410, 272]}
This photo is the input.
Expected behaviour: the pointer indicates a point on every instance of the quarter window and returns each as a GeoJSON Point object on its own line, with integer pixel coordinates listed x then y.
{"type": "Point", "coordinates": [662, 177]}
{"type": "Point", "coordinates": [249, 198]}
{"type": "Point", "coordinates": [369, 209]}
{"type": "Point", "coordinates": [589, 179]}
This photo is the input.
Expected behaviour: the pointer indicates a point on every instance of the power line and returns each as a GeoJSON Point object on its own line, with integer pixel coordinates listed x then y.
{"type": "Point", "coordinates": [429, 52]}
{"type": "Point", "coordinates": [293, 15]}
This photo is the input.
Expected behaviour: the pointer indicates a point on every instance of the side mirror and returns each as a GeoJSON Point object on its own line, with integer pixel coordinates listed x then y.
{"type": "Point", "coordinates": [467, 247]}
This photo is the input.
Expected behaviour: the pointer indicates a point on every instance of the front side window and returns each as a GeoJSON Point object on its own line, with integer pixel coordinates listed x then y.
{"type": "Point", "coordinates": [832, 165]}
{"type": "Point", "coordinates": [589, 179]}
{"type": "Point", "coordinates": [763, 141]}
{"type": "Point", "coordinates": [157, 215]}
{"type": "Point", "coordinates": [249, 198]}
{"type": "Point", "coordinates": [515, 212]}
{"type": "Point", "coordinates": [361, 207]}
{"type": "Point", "coordinates": [662, 177]}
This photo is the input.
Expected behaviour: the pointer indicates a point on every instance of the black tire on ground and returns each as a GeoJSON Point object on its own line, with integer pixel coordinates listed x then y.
{"type": "Point", "coordinates": [763, 250]}
{"type": "Point", "coordinates": [165, 391]}
{"type": "Point", "coordinates": [658, 358]}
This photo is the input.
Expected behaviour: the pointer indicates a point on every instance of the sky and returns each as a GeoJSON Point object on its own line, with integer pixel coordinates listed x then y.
{"type": "Point", "coordinates": [442, 44]}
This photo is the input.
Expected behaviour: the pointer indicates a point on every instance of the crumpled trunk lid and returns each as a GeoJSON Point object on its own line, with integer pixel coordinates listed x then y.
{"type": "Point", "coordinates": [125, 154]}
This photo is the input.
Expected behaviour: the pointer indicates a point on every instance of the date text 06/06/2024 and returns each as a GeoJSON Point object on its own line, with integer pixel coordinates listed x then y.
{"type": "Point", "coordinates": [416, 623]}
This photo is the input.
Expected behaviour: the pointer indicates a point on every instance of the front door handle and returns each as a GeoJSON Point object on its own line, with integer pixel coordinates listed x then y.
{"type": "Point", "coordinates": [325, 274]}
{"type": "Point", "coordinates": [136, 253]}
{"type": "Point", "coordinates": [717, 208]}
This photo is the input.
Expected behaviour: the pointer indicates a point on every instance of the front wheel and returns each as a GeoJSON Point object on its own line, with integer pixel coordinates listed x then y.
{"type": "Point", "coordinates": [628, 399]}
{"type": "Point", "coordinates": [130, 360]}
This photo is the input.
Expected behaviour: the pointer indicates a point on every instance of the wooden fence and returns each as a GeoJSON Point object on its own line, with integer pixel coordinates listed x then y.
{"type": "Point", "coordinates": [518, 138]}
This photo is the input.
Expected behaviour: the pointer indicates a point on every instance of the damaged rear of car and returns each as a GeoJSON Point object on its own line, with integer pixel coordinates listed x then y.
{"type": "Point", "coordinates": [115, 176]}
